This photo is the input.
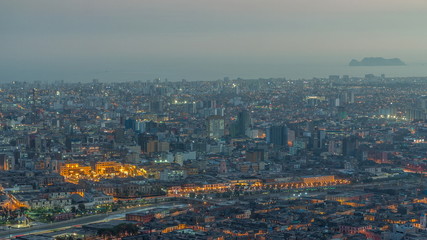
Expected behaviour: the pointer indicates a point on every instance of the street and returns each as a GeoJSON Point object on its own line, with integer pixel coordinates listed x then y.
{"type": "Point", "coordinates": [78, 221]}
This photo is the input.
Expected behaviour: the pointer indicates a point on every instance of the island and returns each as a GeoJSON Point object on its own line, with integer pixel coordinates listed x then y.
{"type": "Point", "coordinates": [376, 61]}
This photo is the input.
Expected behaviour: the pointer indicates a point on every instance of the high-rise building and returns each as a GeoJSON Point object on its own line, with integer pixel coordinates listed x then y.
{"type": "Point", "coordinates": [190, 108]}
{"type": "Point", "coordinates": [423, 102]}
{"type": "Point", "coordinates": [335, 147]}
{"type": "Point", "coordinates": [423, 220]}
{"type": "Point", "coordinates": [416, 114]}
{"type": "Point", "coordinates": [6, 162]}
{"type": "Point", "coordinates": [349, 146]}
{"type": "Point", "coordinates": [130, 123]}
{"type": "Point", "coordinates": [342, 113]}
{"type": "Point", "coordinates": [244, 119]}
{"type": "Point", "coordinates": [343, 98]}
{"type": "Point", "coordinates": [215, 127]}
{"type": "Point", "coordinates": [317, 139]}
{"type": "Point", "coordinates": [278, 135]}
{"type": "Point", "coordinates": [156, 106]}
{"type": "Point", "coordinates": [351, 97]}
{"type": "Point", "coordinates": [242, 124]}
{"type": "Point", "coordinates": [144, 139]}
{"type": "Point", "coordinates": [222, 167]}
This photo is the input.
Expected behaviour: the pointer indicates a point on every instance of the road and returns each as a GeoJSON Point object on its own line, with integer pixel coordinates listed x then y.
{"type": "Point", "coordinates": [80, 221]}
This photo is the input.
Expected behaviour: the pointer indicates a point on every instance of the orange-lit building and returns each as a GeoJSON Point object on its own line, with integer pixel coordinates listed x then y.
{"type": "Point", "coordinates": [70, 169]}
{"type": "Point", "coordinates": [315, 179]}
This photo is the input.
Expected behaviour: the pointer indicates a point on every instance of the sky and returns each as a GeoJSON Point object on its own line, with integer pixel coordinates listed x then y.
{"type": "Point", "coordinates": [127, 40]}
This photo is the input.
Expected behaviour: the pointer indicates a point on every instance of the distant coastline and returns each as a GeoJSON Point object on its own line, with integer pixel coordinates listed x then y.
{"type": "Point", "coordinates": [376, 61]}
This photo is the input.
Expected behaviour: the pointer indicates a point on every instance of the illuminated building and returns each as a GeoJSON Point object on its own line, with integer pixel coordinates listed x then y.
{"type": "Point", "coordinates": [73, 171]}
{"type": "Point", "coordinates": [330, 178]}
{"type": "Point", "coordinates": [6, 162]}
{"type": "Point", "coordinates": [107, 167]}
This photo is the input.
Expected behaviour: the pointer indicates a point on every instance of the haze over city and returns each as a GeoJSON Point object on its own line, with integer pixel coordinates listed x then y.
{"type": "Point", "coordinates": [79, 40]}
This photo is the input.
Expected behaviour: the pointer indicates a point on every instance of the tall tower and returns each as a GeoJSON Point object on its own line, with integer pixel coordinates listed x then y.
{"type": "Point", "coordinates": [215, 127]}
{"type": "Point", "coordinates": [243, 122]}
{"type": "Point", "coordinates": [278, 135]}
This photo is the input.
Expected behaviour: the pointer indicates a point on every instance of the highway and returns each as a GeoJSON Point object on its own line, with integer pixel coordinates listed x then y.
{"type": "Point", "coordinates": [8, 234]}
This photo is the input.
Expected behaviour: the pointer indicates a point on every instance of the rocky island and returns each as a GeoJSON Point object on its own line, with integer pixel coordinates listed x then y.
{"type": "Point", "coordinates": [377, 61]}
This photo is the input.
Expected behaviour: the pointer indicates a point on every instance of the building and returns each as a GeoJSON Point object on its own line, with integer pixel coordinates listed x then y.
{"type": "Point", "coordinates": [70, 169]}
{"type": "Point", "coordinates": [255, 155]}
{"type": "Point", "coordinates": [144, 140]}
{"type": "Point", "coordinates": [278, 136]}
{"type": "Point", "coordinates": [6, 162]}
{"type": "Point", "coordinates": [215, 127]}
{"type": "Point", "coordinates": [239, 127]}
{"type": "Point", "coordinates": [140, 217]}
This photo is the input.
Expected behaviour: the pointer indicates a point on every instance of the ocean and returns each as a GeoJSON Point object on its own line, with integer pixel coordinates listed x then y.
{"type": "Point", "coordinates": [211, 72]}
{"type": "Point", "coordinates": [203, 71]}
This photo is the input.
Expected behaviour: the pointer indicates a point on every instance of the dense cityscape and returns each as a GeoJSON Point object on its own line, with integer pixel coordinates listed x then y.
{"type": "Point", "coordinates": [326, 158]}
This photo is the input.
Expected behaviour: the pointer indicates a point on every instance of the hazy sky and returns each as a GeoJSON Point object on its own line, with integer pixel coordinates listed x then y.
{"type": "Point", "coordinates": [78, 40]}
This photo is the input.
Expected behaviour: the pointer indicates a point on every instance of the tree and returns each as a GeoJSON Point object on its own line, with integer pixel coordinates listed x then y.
{"type": "Point", "coordinates": [128, 228]}
{"type": "Point", "coordinates": [114, 207]}
{"type": "Point", "coordinates": [119, 230]}
{"type": "Point", "coordinates": [81, 207]}
{"type": "Point", "coordinates": [104, 232]}
{"type": "Point", "coordinates": [23, 209]}
{"type": "Point", "coordinates": [65, 238]}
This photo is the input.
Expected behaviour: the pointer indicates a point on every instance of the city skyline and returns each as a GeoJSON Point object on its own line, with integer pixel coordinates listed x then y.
{"type": "Point", "coordinates": [213, 120]}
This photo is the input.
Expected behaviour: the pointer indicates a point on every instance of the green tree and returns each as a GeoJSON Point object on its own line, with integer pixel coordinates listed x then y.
{"type": "Point", "coordinates": [81, 207]}
{"type": "Point", "coordinates": [119, 230]}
